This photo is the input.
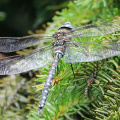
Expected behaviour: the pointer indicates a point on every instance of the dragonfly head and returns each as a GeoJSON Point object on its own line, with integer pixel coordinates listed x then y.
{"type": "Point", "coordinates": [67, 25]}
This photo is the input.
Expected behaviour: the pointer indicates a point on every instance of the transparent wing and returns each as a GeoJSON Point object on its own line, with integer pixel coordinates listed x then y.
{"type": "Point", "coordinates": [22, 63]}
{"type": "Point", "coordinates": [92, 51]}
{"type": "Point", "coordinates": [11, 44]}
{"type": "Point", "coordinates": [98, 29]}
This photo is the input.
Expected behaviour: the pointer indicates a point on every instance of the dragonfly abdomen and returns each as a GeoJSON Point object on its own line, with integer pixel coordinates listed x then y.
{"type": "Point", "coordinates": [48, 82]}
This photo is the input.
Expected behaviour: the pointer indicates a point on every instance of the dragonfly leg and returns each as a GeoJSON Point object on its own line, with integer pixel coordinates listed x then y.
{"type": "Point", "coordinates": [72, 70]}
{"type": "Point", "coordinates": [70, 62]}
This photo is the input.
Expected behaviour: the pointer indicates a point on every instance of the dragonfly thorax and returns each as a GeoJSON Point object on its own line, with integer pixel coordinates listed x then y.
{"type": "Point", "coordinates": [59, 40]}
{"type": "Point", "coordinates": [60, 37]}
{"type": "Point", "coordinates": [60, 34]}
{"type": "Point", "coordinates": [58, 43]}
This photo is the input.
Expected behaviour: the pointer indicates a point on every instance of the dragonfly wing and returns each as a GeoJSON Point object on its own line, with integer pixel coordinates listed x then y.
{"type": "Point", "coordinates": [92, 52]}
{"type": "Point", "coordinates": [22, 63]}
{"type": "Point", "coordinates": [98, 29]}
{"type": "Point", "coordinates": [11, 44]}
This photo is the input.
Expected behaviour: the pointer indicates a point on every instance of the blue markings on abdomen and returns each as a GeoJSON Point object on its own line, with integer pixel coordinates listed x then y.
{"type": "Point", "coordinates": [49, 81]}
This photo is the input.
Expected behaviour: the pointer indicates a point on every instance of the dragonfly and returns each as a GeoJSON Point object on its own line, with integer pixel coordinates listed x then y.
{"type": "Point", "coordinates": [72, 44]}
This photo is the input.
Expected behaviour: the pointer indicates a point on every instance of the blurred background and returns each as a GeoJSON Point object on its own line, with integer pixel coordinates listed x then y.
{"type": "Point", "coordinates": [17, 17]}
{"type": "Point", "coordinates": [19, 94]}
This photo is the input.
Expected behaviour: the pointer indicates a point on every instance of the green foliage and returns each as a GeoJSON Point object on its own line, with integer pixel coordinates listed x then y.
{"type": "Point", "coordinates": [68, 90]}
{"type": "Point", "coordinates": [68, 95]}
{"type": "Point", "coordinates": [14, 98]}
{"type": "Point", "coordinates": [87, 12]}
{"type": "Point", "coordinates": [107, 106]}
{"type": "Point", "coordinates": [66, 99]}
